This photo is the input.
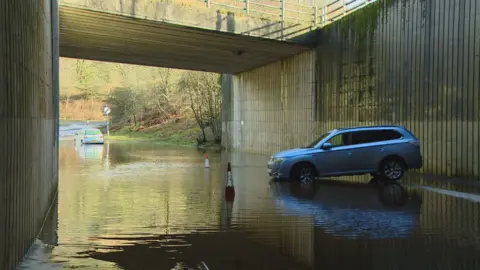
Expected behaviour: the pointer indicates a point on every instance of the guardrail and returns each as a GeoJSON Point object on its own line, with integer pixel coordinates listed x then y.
{"type": "Point", "coordinates": [337, 9]}
{"type": "Point", "coordinates": [294, 10]}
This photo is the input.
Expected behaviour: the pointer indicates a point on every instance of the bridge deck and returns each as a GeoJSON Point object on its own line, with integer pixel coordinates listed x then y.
{"type": "Point", "coordinates": [104, 36]}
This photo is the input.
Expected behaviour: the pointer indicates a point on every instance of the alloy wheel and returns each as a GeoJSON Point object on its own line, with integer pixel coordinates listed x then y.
{"type": "Point", "coordinates": [306, 175]}
{"type": "Point", "coordinates": [393, 170]}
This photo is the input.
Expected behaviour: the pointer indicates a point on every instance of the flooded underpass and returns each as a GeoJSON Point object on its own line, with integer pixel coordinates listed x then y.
{"type": "Point", "coordinates": [147, 206]}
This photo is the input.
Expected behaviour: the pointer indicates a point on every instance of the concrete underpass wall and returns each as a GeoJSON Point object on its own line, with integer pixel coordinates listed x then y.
{"type": "Point", "coordinates": [271, 107]}
{"type": "Point", "coordinates": [413, 62]}
{"type": "Point", "coordinates": [28, 120]}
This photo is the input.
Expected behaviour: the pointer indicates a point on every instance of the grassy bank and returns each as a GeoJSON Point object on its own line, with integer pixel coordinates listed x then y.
{"type": "Point", "coordinates": [181, 133]}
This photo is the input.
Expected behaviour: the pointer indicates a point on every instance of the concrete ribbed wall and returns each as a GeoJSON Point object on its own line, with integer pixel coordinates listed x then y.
{"type": "Point", "coordinates": [411, 62]}
{"type": "Point", "coordinates": [271, 106]}
{"type": "Point", "coordinates": [28, 120]}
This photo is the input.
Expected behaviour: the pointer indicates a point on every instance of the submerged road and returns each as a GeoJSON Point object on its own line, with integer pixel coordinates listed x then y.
{"type": "Point", "coordinates": [144, 206]}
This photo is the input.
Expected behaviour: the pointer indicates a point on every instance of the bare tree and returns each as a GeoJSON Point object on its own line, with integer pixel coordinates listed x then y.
{"type": "Point", "coordinates": [86, 76]}
{"type": "Point", "coordinates": [68, 71]}
{"type": "Point", "coordinates": [161, 91]}
{"type": "Point", "coordinates": [203, 90]}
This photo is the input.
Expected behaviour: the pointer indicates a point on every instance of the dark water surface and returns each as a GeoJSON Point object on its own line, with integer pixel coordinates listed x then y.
{"type": "Point", "coordinates": [144, 206]}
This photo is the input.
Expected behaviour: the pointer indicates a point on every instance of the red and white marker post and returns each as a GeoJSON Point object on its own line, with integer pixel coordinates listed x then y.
{"type": "Point", "coordinates": [207, 162]}
{"type": "Point", "coordinates": [229, 189]}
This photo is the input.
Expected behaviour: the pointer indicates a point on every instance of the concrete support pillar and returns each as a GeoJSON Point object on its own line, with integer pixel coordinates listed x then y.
{"type": "Point", "coordinates": [226, 114]}
{"type": "Point", "coordinates": [227, 86]}
{"type": "Point", "coordinates": [28, 121]}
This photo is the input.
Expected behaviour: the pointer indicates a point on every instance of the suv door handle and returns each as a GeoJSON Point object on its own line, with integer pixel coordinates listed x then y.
{"type": "Point", "coordinates": [349, 153]}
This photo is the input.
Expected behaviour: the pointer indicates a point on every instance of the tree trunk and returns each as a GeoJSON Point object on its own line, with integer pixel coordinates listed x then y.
{"type": "Point", "coordinates": [203, 132]}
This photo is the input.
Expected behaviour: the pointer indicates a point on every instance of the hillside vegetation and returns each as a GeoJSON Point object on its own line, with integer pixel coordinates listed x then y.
{"type": "Point", "coordinates": [147, 102]}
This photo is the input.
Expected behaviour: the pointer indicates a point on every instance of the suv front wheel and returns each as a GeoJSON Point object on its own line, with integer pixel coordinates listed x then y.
{"type": "Point", "coordinates": [392, 169]}
{"type": "Point", "coordinates": [304, 172]}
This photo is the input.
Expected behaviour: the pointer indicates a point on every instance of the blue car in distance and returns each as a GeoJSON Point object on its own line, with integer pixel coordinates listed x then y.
{"type": "Point", "coordinates": [89, 136]}
{"type": "Point", "coordinates": [386, 151]}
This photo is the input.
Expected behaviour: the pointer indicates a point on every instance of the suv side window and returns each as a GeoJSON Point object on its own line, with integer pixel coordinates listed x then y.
{"type": "Point", "coordinates": [390, 135]}
{"type": "Point", "coordinates": [360, 137]}
{"type": "Point", "coordinates": [340, 139]}
{"type": "Point", "coordinates": [371, 136]}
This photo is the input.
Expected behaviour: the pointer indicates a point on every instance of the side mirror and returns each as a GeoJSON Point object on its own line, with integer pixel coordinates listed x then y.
{"type": "Point", "coordinates": [327, 146]}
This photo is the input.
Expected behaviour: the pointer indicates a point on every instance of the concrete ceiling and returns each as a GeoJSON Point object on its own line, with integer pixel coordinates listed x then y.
{"type": "Point", "coordinates": [97, 35]}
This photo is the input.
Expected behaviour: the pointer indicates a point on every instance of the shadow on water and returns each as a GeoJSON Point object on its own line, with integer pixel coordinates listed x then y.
{"type": "Point", "coordinates": [219, 250]}
{"type": "Point", "coordinates": [345, 210]}
{"type": "Point", "coordinates": [44, 244]}
{"type": "Point", "coordinates": [49, 233]}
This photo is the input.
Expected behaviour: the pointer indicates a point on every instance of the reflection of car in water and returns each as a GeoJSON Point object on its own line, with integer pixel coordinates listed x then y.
{"type": "Point", "coordinates": [348, 210]}
{"type": "Point", "coordinates": [89, 136]}
{"type": "Point", "coordinates": [90, 151]}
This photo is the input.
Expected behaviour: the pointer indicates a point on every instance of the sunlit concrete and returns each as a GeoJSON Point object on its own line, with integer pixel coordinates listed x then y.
{"type": "Point", "coordinates": [106, 36]}
{"type": "Point", "coordinates": [218, 17]}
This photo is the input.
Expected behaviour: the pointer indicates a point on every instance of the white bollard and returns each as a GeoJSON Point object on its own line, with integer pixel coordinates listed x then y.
{"type": "Point", "coordinates": [207, 163]}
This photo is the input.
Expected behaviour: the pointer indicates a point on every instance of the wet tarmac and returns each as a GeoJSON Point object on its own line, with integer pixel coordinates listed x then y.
{"type": "Point", "coordinates": [145, 206]}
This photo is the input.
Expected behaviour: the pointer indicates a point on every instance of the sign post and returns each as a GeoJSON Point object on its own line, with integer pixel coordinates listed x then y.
{"type": "Point", "coordinates": [107, 111]}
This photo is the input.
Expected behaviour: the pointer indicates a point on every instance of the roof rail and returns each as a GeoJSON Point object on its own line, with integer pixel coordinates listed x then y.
{"type": "Point", "coordinates": [374, 126]}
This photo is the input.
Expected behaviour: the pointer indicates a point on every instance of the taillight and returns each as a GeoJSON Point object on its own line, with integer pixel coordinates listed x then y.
{"type": "Point", "coordinates": [415, 143]}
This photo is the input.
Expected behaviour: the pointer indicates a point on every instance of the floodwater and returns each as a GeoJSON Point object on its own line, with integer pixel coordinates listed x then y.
{"type": "Point", "coordinates": [145, 206]}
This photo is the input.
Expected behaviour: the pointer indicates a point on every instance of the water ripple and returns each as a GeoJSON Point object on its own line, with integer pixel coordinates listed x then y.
{"type": "Point", "coordinates": [141, 206]}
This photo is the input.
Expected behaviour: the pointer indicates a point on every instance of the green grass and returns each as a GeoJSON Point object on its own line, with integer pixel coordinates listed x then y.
{"type": "Point", "coordinates": [182, 133]}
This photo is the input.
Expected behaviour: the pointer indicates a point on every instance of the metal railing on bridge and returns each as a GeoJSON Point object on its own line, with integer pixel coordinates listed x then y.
{"type": "Point", "coordinates": [293, 10]}
{"type": "Point", "coordinates": [337, 9]}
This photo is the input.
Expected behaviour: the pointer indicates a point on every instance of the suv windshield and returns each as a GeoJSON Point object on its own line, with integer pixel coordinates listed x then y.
{"type": "Point", "coordinates": [317, 140]}
{"type": "Point", "coordinates": [93, 132]}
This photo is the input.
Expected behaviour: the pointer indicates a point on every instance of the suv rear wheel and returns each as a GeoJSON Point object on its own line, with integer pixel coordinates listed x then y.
{"type": "Point", "coordinates": [392, 168]}
{"type": "Point", "coordinates": [304, 172]}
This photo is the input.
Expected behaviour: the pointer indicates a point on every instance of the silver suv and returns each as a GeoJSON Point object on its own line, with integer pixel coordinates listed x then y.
{"type": "Point", "coordinates": [377, 150]}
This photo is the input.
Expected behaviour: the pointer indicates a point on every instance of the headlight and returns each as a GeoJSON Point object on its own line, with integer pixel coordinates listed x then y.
{"type": "Point", "coordinates": [277, 160]}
